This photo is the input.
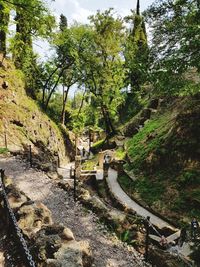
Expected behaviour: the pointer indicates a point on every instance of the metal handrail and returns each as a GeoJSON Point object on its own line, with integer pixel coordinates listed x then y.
{"type": "Point", "coordinates": [26, 255]}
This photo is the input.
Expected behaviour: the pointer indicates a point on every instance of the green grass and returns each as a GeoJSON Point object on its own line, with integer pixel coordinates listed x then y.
{"type": "Point", "coordinates": [90, 164]}
{"type": "Point", "coordinates": [3, 150]}
{"type": "Point", "coordinates": [120, 154]}
{"type": "Point", "coordinates": [150, 191]}
{"type": "Point", "coordinates": [136, 145]}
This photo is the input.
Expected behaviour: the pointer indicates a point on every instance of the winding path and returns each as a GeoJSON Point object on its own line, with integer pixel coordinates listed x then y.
{"type": "Point", "coordinates": [123, 198]}
{"type": "Point", "coordinates": [127, 201]}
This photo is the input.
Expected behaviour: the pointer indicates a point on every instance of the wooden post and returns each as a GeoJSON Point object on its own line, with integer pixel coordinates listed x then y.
{"type": "Point", "coordinates": [6, 143]}
{"type": "Point", "coordinates": [89, 141]}
{"type": "Point", "coordinates": [30, 155]}
{"type": "Point", "coordinates": [76, 144]}
{"type": "Point", "coordinates": [77, 174]}
{"type": "Point", "coordinates": [75, 187]}
{"type": "Point", "coordinates": [147, 238]}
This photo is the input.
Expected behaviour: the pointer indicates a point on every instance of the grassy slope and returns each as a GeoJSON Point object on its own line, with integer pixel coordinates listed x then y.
{"type": "Point", "coordinates": [165, 156]}
{"type": "Point", "coordinates": [23, 120]}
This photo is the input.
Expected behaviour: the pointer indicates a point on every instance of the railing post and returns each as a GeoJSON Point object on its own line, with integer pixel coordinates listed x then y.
{"type": "Point", "coordinates": [5, 138]}
{"type": "Point", "coordinates": [146, 222]}
{"type": "Point", "coordinates": [75, 185]}
{"type": "Point", "coordinates": [89, 141]}
{"type": "Point", "coordinates": [30, 156]}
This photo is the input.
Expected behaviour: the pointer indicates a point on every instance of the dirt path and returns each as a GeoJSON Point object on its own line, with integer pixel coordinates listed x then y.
{"type": "Point", "coordinates": [108, 251]}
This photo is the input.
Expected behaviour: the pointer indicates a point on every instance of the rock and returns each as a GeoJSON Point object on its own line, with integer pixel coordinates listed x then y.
{"type": "Point", "coordinates": [33, 217]}
{"type": "Point", "coordinates": [52, 175]}
{"type": "Point", "coordinates": [66, 185]}
{"type": "Point", "coordinates": [67, 235]}
{"type": "Point", "coordinates": [73, 254]}
{"type": "Point", "coordinates": [46, 245]}
{"type": "Point", "coordinates": [53, 263]}
{"type": "Point", "coordinates": [69, 257]}
{"type": "Point", "coordinates": [84, 194]}
{"type": "Point", "coordinates": [15, 197]}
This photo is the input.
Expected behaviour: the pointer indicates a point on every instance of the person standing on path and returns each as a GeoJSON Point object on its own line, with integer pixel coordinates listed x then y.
{"type": "Point", "coordinates": [194, 227]}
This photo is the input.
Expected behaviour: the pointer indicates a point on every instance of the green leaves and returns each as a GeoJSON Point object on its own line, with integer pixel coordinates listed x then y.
{"type": "Point", "coordinates": [136, 53]}
{"type": "Point", "coordinates": [175, 42]}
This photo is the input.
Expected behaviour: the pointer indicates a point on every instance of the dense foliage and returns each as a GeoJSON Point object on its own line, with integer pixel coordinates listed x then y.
{"type": "Point", "coordinates": [175, 30]}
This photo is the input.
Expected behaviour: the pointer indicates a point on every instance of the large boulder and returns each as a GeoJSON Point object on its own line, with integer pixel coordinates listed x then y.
{"type": "Point", "coordinates": [33, 217]}
{"type": "Point", "coordinates": [15, 197]}
{"type": "Point", "coordinates": [72, 254]}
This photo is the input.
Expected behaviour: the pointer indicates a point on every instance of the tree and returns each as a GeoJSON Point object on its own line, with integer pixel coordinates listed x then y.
{"type": "Point", "coordinates": [33, 20]}
{"type": "Point", "coordinates": [63, 23]}
{"type": "Point", "coordinates": [4, 20]}
{"type": "Point", "coordinates": [175, 29]}
{"type": "Point", "coordinates": [102, 65]}
{"type": "Point", "coordinates": [136, 50]}
{"type": "Point", "coordinates": [67, 45]}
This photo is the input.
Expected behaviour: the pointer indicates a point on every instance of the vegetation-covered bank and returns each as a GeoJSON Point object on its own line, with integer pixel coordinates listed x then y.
{"type": "Point", "coordinates": [22, 123]}
{"type": "Point", "coordinates": [165, 155]}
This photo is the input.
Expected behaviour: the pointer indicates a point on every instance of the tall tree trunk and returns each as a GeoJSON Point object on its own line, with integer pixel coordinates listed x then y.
{"type": "Point", "coordinates": [43, 96]}
{"type": "Point", "coordinates": [4, 20]}
{"type": "Point", "coordinates": [112, 132]}
{"type": "Point", "coordinates": [138, 8]}
{"type": "Point", "coordinates": [65, 95]}
{"type": "Point", "coordinates": [108, 124]}
{"type": "Point", "coordinates": [53, 89]}
{"type": "Point", "coordinates": [46, 83]}
{"type": "Point", "coordinates": [81, 104]}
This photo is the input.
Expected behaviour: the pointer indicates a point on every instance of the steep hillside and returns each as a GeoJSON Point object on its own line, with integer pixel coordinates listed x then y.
{"type": "Point", "coordinates": [22, 122]}
{"type": "Point", "coordinates": [165, 156]}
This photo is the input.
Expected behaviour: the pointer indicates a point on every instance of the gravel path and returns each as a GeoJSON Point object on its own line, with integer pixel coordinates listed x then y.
{"type": "Point", "coordinates": [108, 251]}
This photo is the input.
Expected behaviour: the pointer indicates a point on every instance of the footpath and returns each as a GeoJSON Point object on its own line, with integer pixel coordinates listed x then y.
{"type": "Point", "coordinates": [127, 201]}
{"type": "Point", "coordinates": [124, 199]}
